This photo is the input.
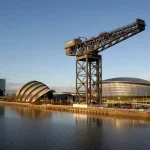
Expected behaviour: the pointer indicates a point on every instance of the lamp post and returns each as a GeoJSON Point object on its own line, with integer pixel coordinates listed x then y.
{"type": "Point", "coordinates": [146, 94]}
{"type": "Point", "coordinates": [143, 97]}
{"type": "Point", "coordinates": [146, 97]}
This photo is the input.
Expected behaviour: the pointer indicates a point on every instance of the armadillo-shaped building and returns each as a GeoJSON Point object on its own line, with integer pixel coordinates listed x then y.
{"type": "Point", "coordinates": [33, 91]}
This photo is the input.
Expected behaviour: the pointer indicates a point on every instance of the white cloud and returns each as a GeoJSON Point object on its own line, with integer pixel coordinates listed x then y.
{"type": "Point", "coordinates": [148, 78]}
{"type": "Point", "coordinates": [12, 87]}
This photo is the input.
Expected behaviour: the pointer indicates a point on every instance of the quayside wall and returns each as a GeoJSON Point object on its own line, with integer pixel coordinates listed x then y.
{"type": "Point", "coordinates": [89, 110]}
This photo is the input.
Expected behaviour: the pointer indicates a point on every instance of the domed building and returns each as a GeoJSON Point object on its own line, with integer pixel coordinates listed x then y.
{"type": "Point", "coordinates": [126, 87]}
{"type": "Point", "coordinates": [34, 91]}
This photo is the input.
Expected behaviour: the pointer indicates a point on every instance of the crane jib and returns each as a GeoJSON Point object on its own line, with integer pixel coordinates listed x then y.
{"type": "Point", "coordinates": [104, 40]}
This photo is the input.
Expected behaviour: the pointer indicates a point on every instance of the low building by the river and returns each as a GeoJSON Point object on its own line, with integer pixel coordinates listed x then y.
{"type": "Point", "coordinates": [63, 96]}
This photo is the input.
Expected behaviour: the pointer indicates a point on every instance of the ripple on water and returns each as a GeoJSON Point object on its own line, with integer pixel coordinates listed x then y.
{"type": "Point", "coordinates": [25, 129]}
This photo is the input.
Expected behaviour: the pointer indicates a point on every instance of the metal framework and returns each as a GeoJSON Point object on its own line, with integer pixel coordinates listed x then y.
{"type": "Point", "coordinates": [88, 78]}
{"type": "Point", "coordinates": [89, 63]}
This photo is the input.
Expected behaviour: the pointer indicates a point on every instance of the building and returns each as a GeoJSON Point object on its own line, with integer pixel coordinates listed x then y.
{"type": "Point", "coordinates": [126, 87]}
{"type": "Point", "coordinates": [2, 87]}
{"type": "Point", "coordinates": [63, 96]}
{"type": "Point", "coordinates": [34, 91]}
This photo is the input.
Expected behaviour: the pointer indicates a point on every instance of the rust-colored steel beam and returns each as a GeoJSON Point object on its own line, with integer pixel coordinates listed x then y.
{"type": "Point", "coordinates": [88, 78]}
{"type": "Point", "coordinates": [105, 40]}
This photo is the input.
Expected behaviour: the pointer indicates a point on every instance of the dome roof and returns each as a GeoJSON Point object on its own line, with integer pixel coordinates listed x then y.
{"type": "Point", "coordinates": [127, 80]}
{"type": "Point", "coordinates": [31, 91]}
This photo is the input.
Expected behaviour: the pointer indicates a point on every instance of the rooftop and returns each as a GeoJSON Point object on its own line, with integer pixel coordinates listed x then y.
{"type": "Point", "coordinates": [128, 80]}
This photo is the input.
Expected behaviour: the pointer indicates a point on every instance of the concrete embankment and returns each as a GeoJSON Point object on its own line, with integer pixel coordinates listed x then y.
{"type": "Point", "coordinates": [91, 110]}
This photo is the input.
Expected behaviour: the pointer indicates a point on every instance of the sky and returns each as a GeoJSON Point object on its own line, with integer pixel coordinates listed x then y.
{"type": "Point", "coordinates": [33, 34]}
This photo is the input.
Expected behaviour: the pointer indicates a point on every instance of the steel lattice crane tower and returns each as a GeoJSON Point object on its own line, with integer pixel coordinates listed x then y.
{"type": "Point", "coordinates": [89, 62]}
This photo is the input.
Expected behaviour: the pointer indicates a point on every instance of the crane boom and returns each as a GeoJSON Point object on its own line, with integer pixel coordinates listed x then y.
{"type": "Point", "coordinates": [105, 40]}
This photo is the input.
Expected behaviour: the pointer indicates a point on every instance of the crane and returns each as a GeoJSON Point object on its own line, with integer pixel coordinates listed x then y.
{"type": "Point", "coordinates": [89, 62]}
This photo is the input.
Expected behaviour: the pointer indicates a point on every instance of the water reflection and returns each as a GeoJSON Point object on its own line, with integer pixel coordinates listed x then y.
{"type": "Point", "coordinates": [105, 132]}
{"type": "Point", "coordinates": [129, 122]}
{"type": "Point", "coordinates": [85, 131]}
{"type": "Point", "coordinates": [117, 122]}
{"type": "Point", "coordinates": [2, 111]}
{"type": "Point", "coordinates": [86, 119]}
{"type": "Point", "coordinates": [31, 113]}
{"type": "Point", "coordinates": [69, 131]}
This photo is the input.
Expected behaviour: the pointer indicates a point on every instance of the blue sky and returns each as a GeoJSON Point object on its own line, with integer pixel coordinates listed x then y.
{"type": "Point", "coordinates": [33, 35]}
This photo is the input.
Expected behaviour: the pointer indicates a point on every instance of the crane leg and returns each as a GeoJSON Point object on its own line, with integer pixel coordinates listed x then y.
{"type": "Point", "coordinates": [89, 79]}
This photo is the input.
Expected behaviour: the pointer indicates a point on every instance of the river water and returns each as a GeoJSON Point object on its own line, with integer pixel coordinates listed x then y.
{"type": "Point", "coordinates": [27, 129]}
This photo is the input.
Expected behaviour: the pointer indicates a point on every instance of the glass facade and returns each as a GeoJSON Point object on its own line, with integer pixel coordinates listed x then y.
{"type": "Point", "coordinates": [125, 89]}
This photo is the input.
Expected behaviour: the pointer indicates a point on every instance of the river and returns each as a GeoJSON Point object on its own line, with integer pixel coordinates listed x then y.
{"type": "Point", "coordinates": [23, 128]}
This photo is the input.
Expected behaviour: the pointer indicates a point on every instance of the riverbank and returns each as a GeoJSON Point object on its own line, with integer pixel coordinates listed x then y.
{"type": "Point", "coordinates": [89, 110]}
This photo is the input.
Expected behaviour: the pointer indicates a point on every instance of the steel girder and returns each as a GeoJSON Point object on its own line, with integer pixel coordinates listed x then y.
{"type": "Point", "coordinates": [89, 78]}
{"type": "Point", "coordinates": [107, 39]}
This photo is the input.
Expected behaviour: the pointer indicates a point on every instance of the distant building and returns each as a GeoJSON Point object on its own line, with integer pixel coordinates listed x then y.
{"type": "Point", "coordinates": [2, 87]}
{"type": "Point", "coordinates": [126, 87]}
{"type": "Point", "coordinates": [63, 96]}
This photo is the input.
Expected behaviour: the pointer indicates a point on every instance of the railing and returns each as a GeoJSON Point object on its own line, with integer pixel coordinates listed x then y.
{"type": "Point", "coordinates": [124, 109]}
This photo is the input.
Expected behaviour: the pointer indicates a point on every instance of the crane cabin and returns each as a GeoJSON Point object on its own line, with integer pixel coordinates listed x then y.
{"type": "Point", "coordinates": [71, 43]}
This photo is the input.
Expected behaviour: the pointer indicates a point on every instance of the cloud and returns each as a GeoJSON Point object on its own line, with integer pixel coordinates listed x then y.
{"type": "Point", "coordinates": [12, 87]}
{"type": "Point", "coordinates": [148, 78]}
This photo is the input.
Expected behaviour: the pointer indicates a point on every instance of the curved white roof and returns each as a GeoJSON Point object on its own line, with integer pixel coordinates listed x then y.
{"type": "Point", "coordinates": [127, 80]}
